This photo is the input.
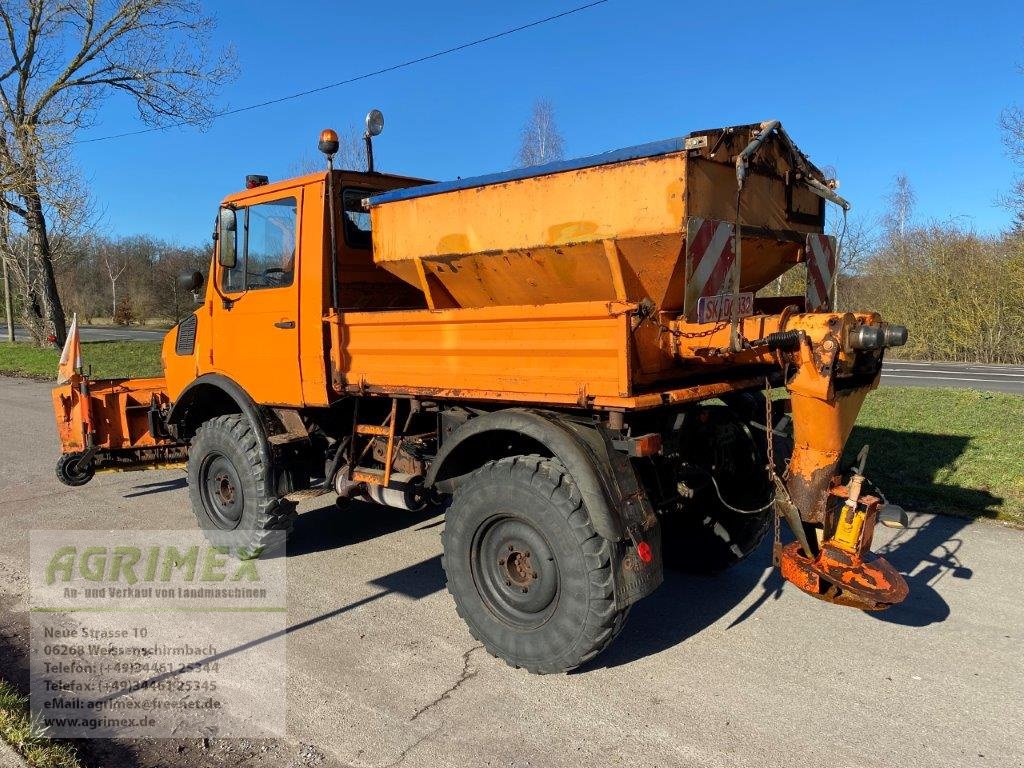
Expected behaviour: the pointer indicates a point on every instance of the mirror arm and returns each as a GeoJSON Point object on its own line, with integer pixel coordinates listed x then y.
{"type": "Point", "coordinates": [369, 152]}
{"type": "Point", "coordinates": [215, 282]}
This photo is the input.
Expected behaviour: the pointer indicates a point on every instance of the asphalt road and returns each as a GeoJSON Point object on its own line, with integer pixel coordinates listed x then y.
{"type": "Point", "coordinates": [94, 333]}
{"type": "Point", "coordinates": [735, 670]}
{"type": "Point", "coordinates": [988, 378]}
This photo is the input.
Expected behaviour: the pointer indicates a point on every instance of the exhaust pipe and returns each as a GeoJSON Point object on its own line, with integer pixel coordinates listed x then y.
{"type": "Point", "coordinates": [404, 492]}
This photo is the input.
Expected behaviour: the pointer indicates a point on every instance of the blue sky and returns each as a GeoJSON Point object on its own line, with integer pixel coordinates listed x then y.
{"type": "Point", "coordinates": [874, 89]}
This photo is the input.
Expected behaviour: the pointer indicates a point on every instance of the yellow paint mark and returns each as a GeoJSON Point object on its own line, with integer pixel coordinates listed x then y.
{"type": "Point", "coordinates": [457, 242]}
{"type": "Point", "coordinates": [571, 230]}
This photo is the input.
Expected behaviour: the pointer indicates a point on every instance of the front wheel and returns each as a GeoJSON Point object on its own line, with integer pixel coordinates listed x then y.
{"type": "Point", "coordinates": [231, 488]}
{"type": "Point", "coordinates": [529, 574]}
{"type": "Point", "coordinates": [71, 472]}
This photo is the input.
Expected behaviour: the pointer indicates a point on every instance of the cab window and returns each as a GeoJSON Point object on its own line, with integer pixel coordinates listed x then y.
{"type": "Point", "coordinates": [356, 221]}
{"type": "Point", "coordinates": [265, 238]}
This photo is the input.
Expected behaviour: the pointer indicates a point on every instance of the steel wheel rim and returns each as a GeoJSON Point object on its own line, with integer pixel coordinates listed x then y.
{"type": "Point", "coordinates": [222, 491]}
{"type": "Point", "coordinates": [515, 571]}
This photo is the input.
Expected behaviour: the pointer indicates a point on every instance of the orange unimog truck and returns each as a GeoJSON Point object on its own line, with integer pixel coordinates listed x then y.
{"type": "Point", "coordinates": [571, 361]}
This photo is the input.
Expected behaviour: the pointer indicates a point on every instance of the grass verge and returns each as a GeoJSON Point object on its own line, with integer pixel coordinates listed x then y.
{"type": "Point", "coordinates": [18, 730]}
{"type": "Point", "coordinates": [108, 359]}
{"type": "Point", "coordinates": [953, 451]}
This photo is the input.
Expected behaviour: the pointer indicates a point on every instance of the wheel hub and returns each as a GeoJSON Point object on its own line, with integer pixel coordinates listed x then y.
{"type": "Point", "coordinates": [225, 489]}
{"type": "Point", "coordinates": [515, 571]}
{"type": "Point", "coordinates": [519, 568]}
{"type": "Point", "coordinates": [222, 492]}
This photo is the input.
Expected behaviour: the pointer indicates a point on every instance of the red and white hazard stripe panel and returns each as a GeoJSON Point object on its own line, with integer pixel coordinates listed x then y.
{"type": "Point", "coordinates": [710, 261]}
{"type": "Point", "coordinates": [821, 268]}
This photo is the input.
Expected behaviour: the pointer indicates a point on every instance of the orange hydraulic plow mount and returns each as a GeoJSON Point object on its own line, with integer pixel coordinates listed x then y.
{"type": "Point", "coordinates": [829, 362]}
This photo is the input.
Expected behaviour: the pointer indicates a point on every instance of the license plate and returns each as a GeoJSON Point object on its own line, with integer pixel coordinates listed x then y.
{"type": "Point", "coordinates": [713, 309]}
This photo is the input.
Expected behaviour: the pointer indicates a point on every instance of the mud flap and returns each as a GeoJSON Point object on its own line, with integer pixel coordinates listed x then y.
{"type": "Point", "coordinates": [635, 579]}
{"type": "Point", "coordinates": [640, 568]}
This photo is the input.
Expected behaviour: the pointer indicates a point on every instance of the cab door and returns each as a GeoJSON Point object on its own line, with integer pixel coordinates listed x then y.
{"type": "Point", "coordinates": [256, 317]}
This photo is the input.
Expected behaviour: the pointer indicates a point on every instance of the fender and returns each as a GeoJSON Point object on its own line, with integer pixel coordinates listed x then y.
{"type": "Point", "coordinates": [579, 446]}
{"type": "Point", "coordinates": [216, 393]}
{"type": "Point", "coordinates": [616, 501]}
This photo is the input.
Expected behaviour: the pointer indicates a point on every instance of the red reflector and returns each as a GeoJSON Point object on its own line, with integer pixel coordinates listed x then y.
{"type": "Point", "coordinates": [643, 551]}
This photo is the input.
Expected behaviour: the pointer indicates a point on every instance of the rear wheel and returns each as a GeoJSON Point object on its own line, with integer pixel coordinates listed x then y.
{"type": "Point", "coordinates": [529, 574]}
{"type": "Point", "coordinates": [725, 468]}
{"type": "Point", "coordinates": [231, 488]}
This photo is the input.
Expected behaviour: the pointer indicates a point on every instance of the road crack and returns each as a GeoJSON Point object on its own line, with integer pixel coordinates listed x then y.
{"type": "Point", "coordinates": [468, 673]}
{"type": "Point", "coordinates": [405, 752]}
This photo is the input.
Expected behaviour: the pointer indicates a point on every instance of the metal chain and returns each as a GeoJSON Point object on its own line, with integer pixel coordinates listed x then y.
{"type": "Point", "coordinates": [648, 315]}
{"type": "Point", "coordinates": [691, 334]}
{"type": "Point", "coordinates": [769, 431]}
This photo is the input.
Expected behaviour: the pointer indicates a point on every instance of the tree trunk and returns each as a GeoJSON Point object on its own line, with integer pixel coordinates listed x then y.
{"type": "Point", "coordinates": [8, 303]}
{"type": "Point", "coordinates": [49, 299]}
{"type": "Point", "coordinates": [5, 254]}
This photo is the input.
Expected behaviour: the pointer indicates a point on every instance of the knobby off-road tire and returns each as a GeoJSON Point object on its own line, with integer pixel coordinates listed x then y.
{"type": "Point", "coordinates": [529, 574]}
{"type": "Point", "coordinates": [232, 490]}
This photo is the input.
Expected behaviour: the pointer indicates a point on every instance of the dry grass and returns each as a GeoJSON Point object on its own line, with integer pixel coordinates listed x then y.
{"type": "Point", "coordinates": [19, 730]}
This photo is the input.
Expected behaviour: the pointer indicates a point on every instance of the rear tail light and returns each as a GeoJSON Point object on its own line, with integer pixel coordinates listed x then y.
{"type": "Point", "coordinates": [646, 445]}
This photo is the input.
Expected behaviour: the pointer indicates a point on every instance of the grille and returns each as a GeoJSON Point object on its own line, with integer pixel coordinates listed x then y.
{"type": "Point", "coordinates": [185, 344]}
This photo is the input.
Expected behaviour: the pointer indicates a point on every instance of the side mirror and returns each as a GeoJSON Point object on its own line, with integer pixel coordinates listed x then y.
{"type": "Point", "coordinates": [190, 281]}
{"type": "Point", "coordinates": [228, 226]}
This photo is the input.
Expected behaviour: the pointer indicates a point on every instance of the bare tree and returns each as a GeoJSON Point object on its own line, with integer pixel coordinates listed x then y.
{"type": "Point", "coordinates": [1012, 122]}
{"type": "Point", "coordinates": [856, 239]}
{"type": "Point", "coordinates": [541, 140]}
{"type": "Point", "coordinates": [67, 211]}
{"type": "Point", "coordinates": [115, 263]}
{"type": "Point", "coordinates": [901, 207]}
{"type": "Point", "coordinates": [65, 58]}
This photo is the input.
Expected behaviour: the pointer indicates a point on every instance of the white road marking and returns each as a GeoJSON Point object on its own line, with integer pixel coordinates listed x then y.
{"type": "Point", "coordinates": [946, 370]}
{"type": "Point", "coordinates": [997, 366]}
{"type": "Point", "coordinates": [941, 378]}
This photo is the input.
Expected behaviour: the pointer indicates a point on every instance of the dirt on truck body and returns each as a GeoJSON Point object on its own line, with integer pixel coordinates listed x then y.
{"type": "Point", "coordinates": [570, 360]}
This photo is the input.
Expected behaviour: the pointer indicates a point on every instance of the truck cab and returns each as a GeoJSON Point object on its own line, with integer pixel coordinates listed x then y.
{"type": "Point", "coordinates": [269, 286]}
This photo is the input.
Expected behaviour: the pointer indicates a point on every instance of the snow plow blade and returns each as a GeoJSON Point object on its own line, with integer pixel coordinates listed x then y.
{"type": "Point", "coordinates": [112, 425]}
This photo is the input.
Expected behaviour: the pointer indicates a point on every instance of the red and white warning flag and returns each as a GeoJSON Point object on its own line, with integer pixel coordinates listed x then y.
{"type": "Point", "coordinates": [821, 269]}
{"type": "Point", "coordinates": [71, 356]}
